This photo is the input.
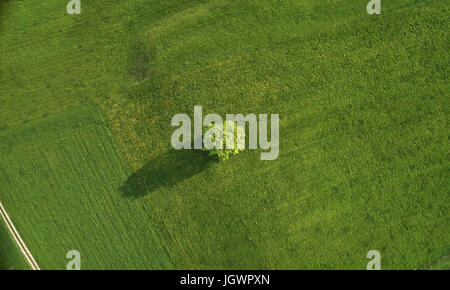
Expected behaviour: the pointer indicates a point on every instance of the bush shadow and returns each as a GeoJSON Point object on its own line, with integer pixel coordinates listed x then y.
{"type": "Point", "coordinates": [139, 61]}
{"type": "Point", "coordinates": [166, 171]}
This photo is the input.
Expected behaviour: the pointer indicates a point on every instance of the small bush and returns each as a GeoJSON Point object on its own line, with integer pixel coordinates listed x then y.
{"type": "Point", "coordinates": [239, 138]}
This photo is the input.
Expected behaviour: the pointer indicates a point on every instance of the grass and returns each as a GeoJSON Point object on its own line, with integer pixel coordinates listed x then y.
{"type": "Point", "coordinates": [10, 256]}
{"type": "Point", "coordinates": [443, 264]}
{"type": "Point", "coordinates": [60, 181]}
{"type": "Point", "coordinates": [363, 141]}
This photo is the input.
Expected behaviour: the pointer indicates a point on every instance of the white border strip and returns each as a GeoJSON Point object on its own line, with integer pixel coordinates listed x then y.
{"type": "Point", "coordinates": [18, 239]}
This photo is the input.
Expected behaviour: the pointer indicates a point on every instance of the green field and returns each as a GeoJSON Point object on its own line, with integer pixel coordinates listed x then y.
{"type": "Point", "coordinates": [70, 198]}
{"type": "Point", "coordinates": [443, 264]}
{"type": "Point", "coordinates": [10, 256]}
{"type": "Point", "coordinates": [85, 155]}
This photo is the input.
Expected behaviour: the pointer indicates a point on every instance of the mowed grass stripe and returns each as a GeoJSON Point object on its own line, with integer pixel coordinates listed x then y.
{"type": "Point", "coordinates": [60, 180]}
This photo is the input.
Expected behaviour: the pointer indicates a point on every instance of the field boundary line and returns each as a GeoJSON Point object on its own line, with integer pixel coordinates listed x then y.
{"type": "Point", "coordinates": [20, 243]}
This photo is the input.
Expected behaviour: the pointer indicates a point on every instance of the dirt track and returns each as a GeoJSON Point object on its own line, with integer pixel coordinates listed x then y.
{"type": "Point", "coordinates": [20, 243]}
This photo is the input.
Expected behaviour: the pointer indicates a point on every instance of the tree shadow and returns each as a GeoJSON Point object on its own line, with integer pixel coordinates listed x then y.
{"type": "Point", "coordinates": [3, 8]}
{"type": "Point", "coordinates": [166, 171]}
